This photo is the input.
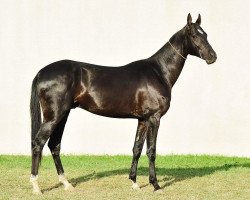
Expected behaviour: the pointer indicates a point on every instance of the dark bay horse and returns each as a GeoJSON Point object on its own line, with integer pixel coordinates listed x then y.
{"type": "Point", "coordinates": [141, 90]}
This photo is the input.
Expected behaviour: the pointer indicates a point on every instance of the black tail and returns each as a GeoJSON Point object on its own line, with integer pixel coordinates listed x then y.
{"type": "Point", "coordinates": [35, 112]}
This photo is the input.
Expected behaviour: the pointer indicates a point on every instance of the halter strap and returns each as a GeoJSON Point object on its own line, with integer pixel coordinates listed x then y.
{"type": "Point", "coordinates": [176, 51]}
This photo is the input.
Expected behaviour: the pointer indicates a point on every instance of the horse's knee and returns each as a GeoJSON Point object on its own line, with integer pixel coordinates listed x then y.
{"type": "Point", "coordinates": [151, 153]}
{"type": "Point", "coordinates": [136, 153]}
{"type": "Point", "coordinates": [137, 150]}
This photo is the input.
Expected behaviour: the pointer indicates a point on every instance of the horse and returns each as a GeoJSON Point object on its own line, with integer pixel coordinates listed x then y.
{"type": "Point", "coordinates": [139, 90]}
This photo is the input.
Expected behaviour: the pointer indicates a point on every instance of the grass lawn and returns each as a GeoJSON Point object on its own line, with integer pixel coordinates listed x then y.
{"type": "Point", "coordinates": [106, 177]}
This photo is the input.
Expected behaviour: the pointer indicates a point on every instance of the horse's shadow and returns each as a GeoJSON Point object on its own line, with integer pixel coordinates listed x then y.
{"type": "Point", "coordinates": [170, 175]}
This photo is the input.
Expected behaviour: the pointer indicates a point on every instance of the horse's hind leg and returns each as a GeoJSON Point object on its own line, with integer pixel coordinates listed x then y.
{"type": "Point", "coordinates": [138, 145]}
{"type": "Point", "coordinates": [50, 104]}
{"type": "Point", "coordinates": [41, 138]}
{"type": "Point", "coordinates": [55, 146]}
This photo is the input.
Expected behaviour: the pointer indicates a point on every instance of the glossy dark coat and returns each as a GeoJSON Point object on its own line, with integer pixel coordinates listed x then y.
{"type": "Point", "coordinates": [141, 90]}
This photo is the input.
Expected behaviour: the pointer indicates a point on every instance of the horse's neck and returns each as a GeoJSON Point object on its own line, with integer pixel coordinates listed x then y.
{"type": "Point", "coordinates": [170, 62]}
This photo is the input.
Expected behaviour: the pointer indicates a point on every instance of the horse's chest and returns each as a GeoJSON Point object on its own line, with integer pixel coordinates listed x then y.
{"type": "Point", "coordinates": [150, 100]}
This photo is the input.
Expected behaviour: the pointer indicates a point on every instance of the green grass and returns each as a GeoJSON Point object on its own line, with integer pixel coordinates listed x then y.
{"type": "Point", "coordinates": [106, 177]}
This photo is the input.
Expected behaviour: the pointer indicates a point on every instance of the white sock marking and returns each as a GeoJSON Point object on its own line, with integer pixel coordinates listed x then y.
{"type": "Point", "coordinates": [33, 180]}
{"type": "Point", "coordinates": [135, 186]}
{"type": "Point", "coordinates": [64, 181]}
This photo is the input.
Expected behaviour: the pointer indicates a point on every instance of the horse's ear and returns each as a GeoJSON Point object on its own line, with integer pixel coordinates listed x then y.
{"type": "Point", "coordinates": [189, 19]}
{"type": "Point", "coordinates": [198, 21]}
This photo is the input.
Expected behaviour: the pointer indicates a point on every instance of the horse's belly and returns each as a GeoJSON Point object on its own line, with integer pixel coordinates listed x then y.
{"type": "Point", "coordinates": [115, 106]}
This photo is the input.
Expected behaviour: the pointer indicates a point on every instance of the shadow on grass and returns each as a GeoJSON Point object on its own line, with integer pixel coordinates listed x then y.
{"type": "Point", "coordinates": [170, 175]}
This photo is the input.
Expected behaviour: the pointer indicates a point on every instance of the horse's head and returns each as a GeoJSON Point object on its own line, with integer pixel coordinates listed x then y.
{"type": "Point", "coordinates": [197, 41]}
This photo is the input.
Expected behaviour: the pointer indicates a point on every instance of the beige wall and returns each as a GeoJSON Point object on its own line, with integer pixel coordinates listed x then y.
{"type": "Point", "coordinates": [210, 105]}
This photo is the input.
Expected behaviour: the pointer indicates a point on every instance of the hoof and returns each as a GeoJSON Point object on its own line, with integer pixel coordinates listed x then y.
{"type": "Point", "coordinates": [37, 192]}
{"type": "Point", "coordinates": [159, 191]}
{"type": "Point", "coordinates": [69, 187]}
{"type": "Point", "coordinates": [35, 186]}
{"type": "Point", "coordinates": [64, 181]}
{"type": "Point", "coordinates": [135, 186]}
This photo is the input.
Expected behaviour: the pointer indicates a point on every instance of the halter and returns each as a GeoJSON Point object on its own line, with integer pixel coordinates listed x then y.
{"type": "Point", "coordinates": [176, 51]}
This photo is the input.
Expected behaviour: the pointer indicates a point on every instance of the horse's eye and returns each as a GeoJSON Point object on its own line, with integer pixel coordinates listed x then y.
{"type": "Point", "coordinates": [195, 36]}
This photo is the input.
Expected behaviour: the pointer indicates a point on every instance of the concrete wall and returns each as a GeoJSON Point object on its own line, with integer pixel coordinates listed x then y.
{"type": "Point", "coordinates": [212, 117]}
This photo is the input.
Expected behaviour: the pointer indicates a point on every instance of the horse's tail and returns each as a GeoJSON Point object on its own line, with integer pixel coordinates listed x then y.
{"type": "Point", "coordinates": [35, 112]}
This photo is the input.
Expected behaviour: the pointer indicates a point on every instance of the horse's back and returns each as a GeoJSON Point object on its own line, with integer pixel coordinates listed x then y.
{"type": "Point", "coordinates": [116, 91]}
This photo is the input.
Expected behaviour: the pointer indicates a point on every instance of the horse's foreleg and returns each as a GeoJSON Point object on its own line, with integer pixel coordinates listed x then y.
{"type": "Point", "coordinates": [138, 145]}
{"type": "Point", "coordinates": [55, 146]}
{"type": "Point", "coordinates": [151, 149]}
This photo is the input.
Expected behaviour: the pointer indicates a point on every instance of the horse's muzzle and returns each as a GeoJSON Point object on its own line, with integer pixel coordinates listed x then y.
{"type": "Point", "coordinates": [212, 58]}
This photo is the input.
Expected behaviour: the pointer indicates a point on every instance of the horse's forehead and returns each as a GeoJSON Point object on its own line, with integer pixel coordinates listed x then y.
{"type": "Point", "coordinates": [196, 28]}
{"type": "Point", "coordinates": [200, 31]}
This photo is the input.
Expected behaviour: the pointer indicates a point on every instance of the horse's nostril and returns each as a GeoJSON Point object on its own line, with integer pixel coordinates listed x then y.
{"type": "Point", "coordinates": [213, 54]}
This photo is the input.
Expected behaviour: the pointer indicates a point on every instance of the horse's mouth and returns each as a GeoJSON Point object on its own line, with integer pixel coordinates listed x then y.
{"type": "Point", "coordinates": [210, 61]}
